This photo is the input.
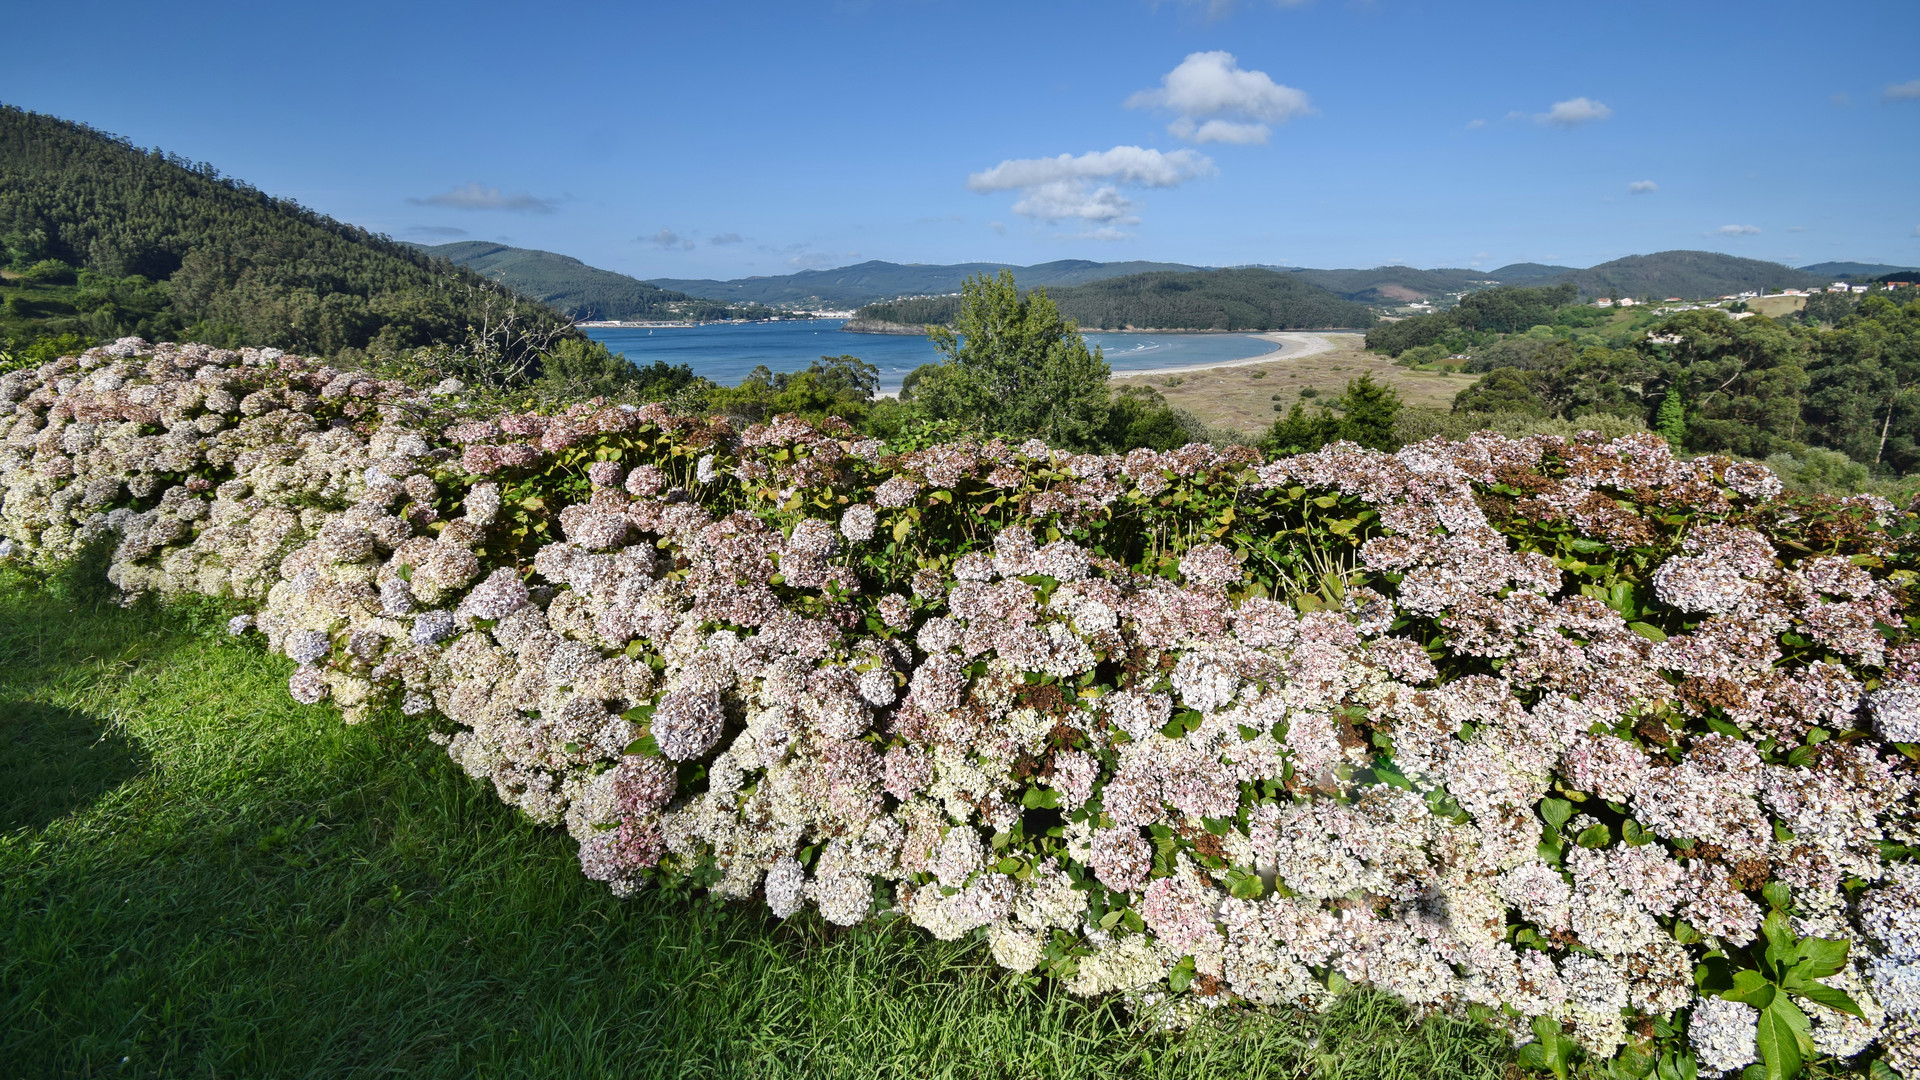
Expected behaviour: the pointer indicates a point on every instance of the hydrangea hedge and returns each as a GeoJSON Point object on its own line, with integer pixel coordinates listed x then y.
{"type": "Point", "coordinates": [1609, 748]}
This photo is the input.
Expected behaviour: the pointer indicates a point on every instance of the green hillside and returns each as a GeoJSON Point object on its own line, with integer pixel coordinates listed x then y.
{"type": "Point", "coordinates": [580, 291]}
{"type": "Point", "coordinates": [1513, 273]}
{"type": "Point", "coordinates": [1394, 284]}
{"type": "Point", "coordinates": [1690, 274]}
{"type": "Point", "coordinates": [864, 283]}
{"type": "Point", "coordinates": [1505, 310]}
{"type": "Point", "coordinates": [1209, 300]}
{"type": "Point", "coordinates": [904, 316]}
{"type": "Point", "coordinates": [103, 238]}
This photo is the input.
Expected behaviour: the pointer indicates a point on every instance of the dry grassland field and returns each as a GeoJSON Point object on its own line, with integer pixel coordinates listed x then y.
{"type": "Point", "coordinates": [1243, 396]}
{"type": "Point", "coordinates": [1775, 306]}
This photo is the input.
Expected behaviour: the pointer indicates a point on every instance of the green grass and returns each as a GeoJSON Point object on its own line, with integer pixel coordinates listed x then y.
{"type": "Point", "coordinates": [200, 878]}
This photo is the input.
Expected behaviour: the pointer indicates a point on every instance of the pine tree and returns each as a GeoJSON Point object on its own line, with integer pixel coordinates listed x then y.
{"type": "Point", "coordinates": [1367, 412]}
{"type": "Point", "coordinates": [1670, 423]}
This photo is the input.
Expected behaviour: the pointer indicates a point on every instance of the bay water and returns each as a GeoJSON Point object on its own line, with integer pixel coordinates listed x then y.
{"type": "Point", "coordinates": [727, 352]}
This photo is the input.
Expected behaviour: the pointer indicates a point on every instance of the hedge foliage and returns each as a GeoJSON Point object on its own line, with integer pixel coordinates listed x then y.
{"type": "Point", "coordinates": [1614, 750]}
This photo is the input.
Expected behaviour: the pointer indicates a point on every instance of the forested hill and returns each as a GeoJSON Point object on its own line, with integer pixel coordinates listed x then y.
{"type": "Point", "coordinates": [1209, 300]}
{"type": "Point", "coordinates": [1389, 285]}
{"type": "Point", "coordinates": [1246, 299]}
{"type": "Point", "coordinates": [91, 226]}
{"type": "Point", "coordinates": [580, 291]}
{"type": "Point", "coordinates": [1516, 273]}
{"type": "Point", "coordinates": [1688, 274]}
{"type": "Point", "coordinates": [867, 282]}
{"type": "Point", "coordinates": [909, 316]}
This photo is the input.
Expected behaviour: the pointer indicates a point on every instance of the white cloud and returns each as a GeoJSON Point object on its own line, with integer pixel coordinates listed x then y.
{"type": "Point", "coordinates": [1122, 164]}
{"type": "Point", "coordinates": [473, 196]}
{"type": "Point", "coordinates": [1643, 187]}
{"type": "Point", "coordinates": [1840, 101]}
{"type": "Point", "coordinates": [1906, 91]}
{"type": "Point", "coordinates": [726, 238]}
{"type": "Point", "coordinates": [1087, 187]}
{"type": "Point", "coordinates": [1105, 234]}
{"type": "Point", "coordinates": [1736, 230]}
{"type": "Point", "coordinates": [1222, 131]}
{"type": "Point", "coordinates": [668, 239]}
{"type": "Point", "coordinates": [438, 230]}
{"type": "Point", "coordinates": [1059, 200]}
{"type": "Point", "coordinates": [999, 227]}
{"type": "Point", "coordinates": [1236, 105]}
{"type": "Point", "coordinates": [1571, 114]}
{"type": "Point", "coordinates": [1796, 228]}
{"type": "Point", "coordinates": [1473, 125]}
{"type": "Point", "coordinates": [1916, 232]}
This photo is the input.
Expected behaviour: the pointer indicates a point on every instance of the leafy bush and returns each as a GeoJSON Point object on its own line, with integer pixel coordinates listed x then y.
{"type": "Point", "coordinates": [50, 272]}
{"type": "Point", "coordinates": [1608, 749]}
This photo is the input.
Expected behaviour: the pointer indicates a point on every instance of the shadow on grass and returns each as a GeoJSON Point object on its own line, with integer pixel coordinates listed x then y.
{"type": "Point", "coordinates": [54, 761]}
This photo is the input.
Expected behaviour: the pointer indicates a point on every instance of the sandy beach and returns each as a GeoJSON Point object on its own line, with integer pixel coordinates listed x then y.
{"type": "Point", "coordinates": [1288, 345]}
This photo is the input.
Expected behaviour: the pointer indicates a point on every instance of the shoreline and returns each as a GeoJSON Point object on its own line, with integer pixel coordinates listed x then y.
{"type": "Point", "coordinates": [1288, 345]}
{"type": "Point", "coordinates": [1302, 342]}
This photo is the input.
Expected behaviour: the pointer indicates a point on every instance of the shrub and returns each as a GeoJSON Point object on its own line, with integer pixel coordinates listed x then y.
{"type": "Point", "coordinates": [1613, 750]}
{"type": "Point", "coordinates": [50, 272]}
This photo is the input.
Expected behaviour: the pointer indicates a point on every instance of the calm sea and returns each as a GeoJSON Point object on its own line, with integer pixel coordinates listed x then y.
{"type": "Point", "coordinates": [726, 353]}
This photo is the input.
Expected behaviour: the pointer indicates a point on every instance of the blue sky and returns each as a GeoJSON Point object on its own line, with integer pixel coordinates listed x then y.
{"type": "Point", "coordinates": [723, 140]}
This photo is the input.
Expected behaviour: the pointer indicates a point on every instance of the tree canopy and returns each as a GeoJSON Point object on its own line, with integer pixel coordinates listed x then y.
{"type": "Point", "coordinates": [1245, 299]}
{"type": "Point", "coordinates": [1752, 386]}
{"type": "Point", "coordinates": [1014, 364]}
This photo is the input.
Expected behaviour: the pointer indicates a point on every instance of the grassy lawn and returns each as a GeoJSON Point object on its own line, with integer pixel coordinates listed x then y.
{"type": "Point", "coordinates": [199, 877]}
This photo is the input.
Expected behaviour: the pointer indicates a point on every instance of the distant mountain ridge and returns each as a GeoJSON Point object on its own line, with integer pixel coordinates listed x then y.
{"type": "Point", "coordinates": [1666, 273]}
{"type": "Point", "coordinates": [1688, 274]}
{"type": "Point", "coordinates": [1858, 270]}
{"type": "Point", "coordinates": [586, 292]}
{"type": "Point", "coordinates": [1517, 272]}
{"type": "Point", "coordinates": [864, 283]}
{"type": "Point", "coordinates": [581, 292]}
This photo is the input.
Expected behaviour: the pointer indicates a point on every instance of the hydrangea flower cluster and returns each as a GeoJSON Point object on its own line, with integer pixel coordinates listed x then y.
{"type": "Point", "coordinates": [1526, 736]}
